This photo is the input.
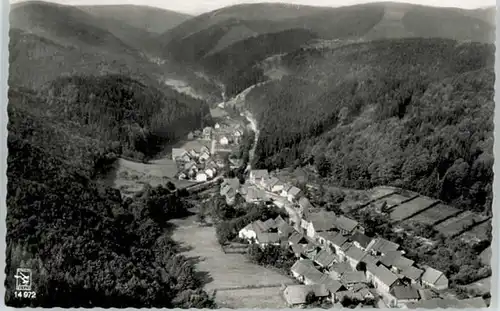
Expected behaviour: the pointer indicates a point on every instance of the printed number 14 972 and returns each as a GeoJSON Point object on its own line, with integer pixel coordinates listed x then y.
{"type": "Point", "coordinates": [25, 294]}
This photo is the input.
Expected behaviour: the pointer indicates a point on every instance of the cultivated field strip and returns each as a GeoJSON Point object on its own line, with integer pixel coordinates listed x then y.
{"type": "Point", "coordinates": [459, 224]}
{"type": "Point", "coordinates": [411, 207]}
{"type": "Point", "coordinates": [436, 214]}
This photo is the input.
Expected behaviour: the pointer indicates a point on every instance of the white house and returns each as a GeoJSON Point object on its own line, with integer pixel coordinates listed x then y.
{"type": "Point", "coordinates": [224, 141]}
{"type": "Point", "coordinates": [277, 187]}
{"type": "Point", "coordinates": [201, 177]}
{"type": "Point", "coordinates": [182, 176]}
{"type": "Point", "coordinates": [434, 279]}
{"type": "Point", "coordinates": [217, 125]}
{"type": "Point", "coordinates": [204, 149]}
{"type": "Point", "coordinates": [210, 173]}
{"type": "Point", "coordinates": [207, 132]}
{"type": "Point", "coordinates": [293, 194]}
{"type": "Point", "coordinates": [249, 232]}
{"type": "Point", "coordinates": [257, 175]}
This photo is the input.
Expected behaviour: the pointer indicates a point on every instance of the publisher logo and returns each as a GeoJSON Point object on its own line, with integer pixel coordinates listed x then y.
{"type": "Point", "coordinates": [23, 279]}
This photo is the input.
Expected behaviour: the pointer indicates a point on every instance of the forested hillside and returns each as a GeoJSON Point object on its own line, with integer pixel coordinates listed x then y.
{"type": "Point", "coordinates": [236, 66]}
{"type": "Point", "coordinates": [110, 110]}
{"type": "Point", "coordinates": [414, 113]}
{"type": "Point", "coordinates": [85, 246]}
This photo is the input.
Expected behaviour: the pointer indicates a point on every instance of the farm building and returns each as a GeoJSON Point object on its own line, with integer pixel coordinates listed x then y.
{"type": "Point", "coordinates": [346, 225]}
{"type": "Point", "coordinates": [334, 240]}
{"type": "Point", "coordinates": [350, 278]}
{"type": "Point", "coordinates": [320, 222]}
{"type": "Point", "coordinates": [338, 269]}
{"type": "Point", "coordinates": [354, 256]}
{"type": "Point", "coordinates": [382, 278]}
{"type": "Point", "coordinates": [412, 274]}
{"type": "Point", "coordinates": [293, 194]}
{"type": "Point", "coordinates": [297, 295]}
{"type": "Point", "coordinates": [434, 279]}
{"type": "Point", "coordinates": [204, 156]}
{"type": "Point", "coordinates": [395, 261]}
{"type": "Point", "coordinates": [324, 259]}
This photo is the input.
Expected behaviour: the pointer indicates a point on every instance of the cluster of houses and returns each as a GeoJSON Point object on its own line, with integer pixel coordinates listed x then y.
{"type": "Point", "coordinates": [336, 260]}
{"type": "Point", "coordinates": [223, 133]}
{"type": "Point", "coordinates": [196, 164]}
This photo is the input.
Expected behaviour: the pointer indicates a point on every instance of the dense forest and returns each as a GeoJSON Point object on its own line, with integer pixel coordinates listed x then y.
{"type": "Point", "coordinates": [114, 110]}
{"type": "Point", "coordinates": [412, 113]}
{"type": "Point", "coordinates": [85, 245]}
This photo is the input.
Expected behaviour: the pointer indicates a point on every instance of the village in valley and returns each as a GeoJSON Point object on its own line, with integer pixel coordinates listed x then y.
{"type": "Point", "coordinates": [207, 152]}
{"type": "Point", "coordinates": [335, 261]}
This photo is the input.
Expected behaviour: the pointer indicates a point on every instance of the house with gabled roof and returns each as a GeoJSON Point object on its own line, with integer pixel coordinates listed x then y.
{"type": "Point", "coordinates": [204, 149]}
{"type": "Point", "coordinates": [293, 194]}
{"type": "Point", "coordinates": [297, 238]}
{"type": "Point", "coordinates": [268, 183]}
{"type": "Point", "coordinates": [341, 295]}
{"type": "Point", "coordinates": [360, 240]}
{"type": "Point", "coordinates": [354, 256]}
{"type": "Point", "coordinates": [204, 156]}
{"type": "Point", "coordinates": [395, 261]}
{"type": "Point", "coordinates": [296, 295]}
{"type": "Point", "coordinates": [347, 226]}
{"type": "Point", "coordinates": [268, 238]}
{"type": "Point", "coordinates": [380, 246]}
{"type": "Point", "coordinates": [402, 295]}
{"type": "Point", "coordinates": [338, 269]}
{"type": "Point", "coordinates": [434, 279]}
{"type": "Point", "coordinates": [411, 274]}
{"type": "Point", "coordinates": [300, 268]}
{"type": "Point", "coordinates": [350, 278]}
{"type": "Point", "coordinates": [257, 175]}
{"type": "Point", "coordinates": [332, 240]}
{"type": "Point", "coordinates": [332, 285]}
{"type": "Point", "coordinates": [382, 279]}
{"type": "Point", "coordinates": [250, 232]}
{"type": "Point", "coordinates": [286, 187]}
{"type": "Point", "coordinates": [319, 222]}
{"type": "Point", "coordinates": [285, 229]}
{"type": "Point", "coordinates": [324, 259]}
{"type": "Point", "coordinates": [313, 276]}
{"type": "Point", "coordinates": [191, 165]}
{"type": "Point", "coordinates": [342, 251]}
{"type": "Point", "coordinates": [207, 132]}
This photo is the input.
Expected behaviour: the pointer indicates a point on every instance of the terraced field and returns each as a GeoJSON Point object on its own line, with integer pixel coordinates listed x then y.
{"type": "Point", "coordinates": [435, 214]}
{"type": "Point", "coordinates": [411, 208]}
{"type": "Point", "coordinates": [458, 224]}
{"type": "Point", "coordinates": [478, 233]}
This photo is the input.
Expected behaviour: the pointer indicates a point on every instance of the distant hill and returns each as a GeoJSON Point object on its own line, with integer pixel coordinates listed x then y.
{"type": "Point", "coordinates": [150, 19]}
{"type": "Point", "coordinates": [399, 112]}
{"type": "Point", "coordinates": [49, 40]}
{"type": "Point", "coordinates": [221, 28]}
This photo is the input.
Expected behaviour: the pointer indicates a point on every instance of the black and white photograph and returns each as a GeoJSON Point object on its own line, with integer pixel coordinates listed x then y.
{"type": "Point", "coordinates": [245, 154]}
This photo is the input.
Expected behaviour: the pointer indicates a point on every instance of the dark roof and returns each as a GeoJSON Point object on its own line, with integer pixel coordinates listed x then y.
{"type": "Point", "coordinates": [382, 245]}
{"type": "Point", "coordinates": [405, 292]}
{"type": "Point", "coordinates": [412, 273]}
{"type": "Point", "coordinates": [346, 224]}
{"type": "Point", "coordinates": [362, 239]}
{"type": "Point", "coordinates": [350, 277]}
{"type": "Point", "coordinates": [396, 259]}
{"type": "Point", "coordinates": [355, 253]}
{"type": "Point", "coordinates": [296, 237]}
{"type": "Point", "coordinates": [324, 258]}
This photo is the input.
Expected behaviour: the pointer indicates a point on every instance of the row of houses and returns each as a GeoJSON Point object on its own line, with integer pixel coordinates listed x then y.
{"type": "Point", "coordinates": [223, 133]}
